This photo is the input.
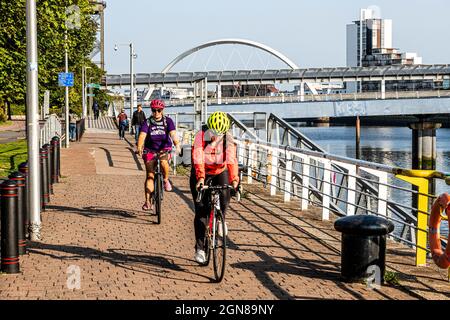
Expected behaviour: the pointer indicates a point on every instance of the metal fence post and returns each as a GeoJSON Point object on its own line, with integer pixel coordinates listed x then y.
{"type": "Point", "coordinates": [288, 177]}
{"type": "Point", "coordinates": [326, 198]}
{"type": "Point", "coordinates": [273, 173]}
{"type": "Point", "coordinates": [305, 182]}
{"type": "Point", "coordinates": [251, 151]}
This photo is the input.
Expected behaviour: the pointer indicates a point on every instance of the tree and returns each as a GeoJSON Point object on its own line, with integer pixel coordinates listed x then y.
{"type": "Point", "coordinates": [51, 16]}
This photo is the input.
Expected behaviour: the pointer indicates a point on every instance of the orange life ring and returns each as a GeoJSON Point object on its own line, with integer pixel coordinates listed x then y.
{"type": "Point", "coordinates": [441, 258]}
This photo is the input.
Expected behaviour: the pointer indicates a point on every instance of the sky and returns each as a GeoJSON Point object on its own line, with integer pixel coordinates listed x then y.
{"type": "Point", "coordinates": [310, 33]}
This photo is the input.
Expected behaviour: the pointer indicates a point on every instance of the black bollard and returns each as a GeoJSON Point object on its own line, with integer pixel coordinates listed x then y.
{"type": "Point", "coordinates": [9, 236]}
{"type": "Point", "coordinates": [23, 168]}
{"type": "Point", "coordinates": [19, 178]}
{"type": "Point", "coordinates": [49, 167]}
{"type": "Point", "coordinates": [45, 196]}
{"type": "Point", "coordinates": [363, 246]}
{"type": "Point", "coordinates": [56, 158]}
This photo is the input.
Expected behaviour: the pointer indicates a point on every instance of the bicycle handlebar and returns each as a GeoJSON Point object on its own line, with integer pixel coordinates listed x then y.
{"type": "Point", "coordinates": [203, 188]}
{"type": "Point", "coordinates": [159, 153]}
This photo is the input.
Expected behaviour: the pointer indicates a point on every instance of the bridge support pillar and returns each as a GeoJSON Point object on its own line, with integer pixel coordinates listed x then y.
{"type": "Point", "coordinates": [383, 89]}
{"type": "Point", "coordinates": [424, 145]}
{"type": "Point", "coordinates": [424, 152]}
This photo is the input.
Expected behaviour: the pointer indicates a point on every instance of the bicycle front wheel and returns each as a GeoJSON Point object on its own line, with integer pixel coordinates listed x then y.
{"type": "Point", "coordinates": [219, 247]}
{"type": "Point", "coordinates": [157, 198]}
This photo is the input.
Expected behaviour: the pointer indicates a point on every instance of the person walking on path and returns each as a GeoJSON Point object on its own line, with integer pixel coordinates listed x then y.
{"type": "Point", "coordinates": [137, 121]}
{"type": "Point", "coordinates": [96, 109]}
{"type": "Point", "coordinates": [158, 133]}
{"type": "Point", "coordinates": [213, 159]}
{"type": "Point", "coordinates": [123, 123]}
{"type": "Point", "coordinates": [73, 118]}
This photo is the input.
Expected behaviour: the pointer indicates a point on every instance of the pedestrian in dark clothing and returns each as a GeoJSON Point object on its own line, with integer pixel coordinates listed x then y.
{"type": "Point", "coordinates": [96, 109]}
{"type": "Point", "coordinates": [73, 126]}
{"type": "Point", "coordinates": [138, 118]}
{"type": "Point", "coordinates": [123, 124]}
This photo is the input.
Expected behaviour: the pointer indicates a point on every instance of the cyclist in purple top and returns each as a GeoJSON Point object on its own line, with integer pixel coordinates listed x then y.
{"type": "Point", "coordinates": [157, 134]}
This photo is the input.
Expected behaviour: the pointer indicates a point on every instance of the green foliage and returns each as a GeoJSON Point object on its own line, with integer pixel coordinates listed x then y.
{"type": "Point", "coordinates": [391, 278]}
{"type": "Point", "coordinates": [3, 115]}
{"type": "Point", "coordinates": [183, 170]}
{"type": "Point", "coordinates": [11, 155]}
{"type": "Point", "coordinates": [51, 15]}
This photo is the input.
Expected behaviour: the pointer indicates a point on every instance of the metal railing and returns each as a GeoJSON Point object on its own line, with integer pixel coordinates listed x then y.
{"type": "Point", "coordinates": [331, 183]}
{"type": "Point", "coordinates": [317, 98]}
{"type": "Point", "coordinates": [290, 163]}
{"type": "Point", "coordinates": [52, 127]}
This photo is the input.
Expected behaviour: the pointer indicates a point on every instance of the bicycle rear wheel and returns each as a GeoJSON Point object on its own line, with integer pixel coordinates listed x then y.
{"type": "Point", "coordinates": [157, 197]}
{"type": "Point", "coordinates": [219, 247]}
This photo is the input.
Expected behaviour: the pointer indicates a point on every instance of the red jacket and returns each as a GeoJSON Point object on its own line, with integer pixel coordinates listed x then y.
{"type": "Point", "coordinates": [208, 157]}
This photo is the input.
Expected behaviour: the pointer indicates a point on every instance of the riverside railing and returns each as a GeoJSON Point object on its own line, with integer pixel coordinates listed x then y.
{"type": "Point", "coordinates": [300, 170]}
{"type": "Point", "coordinates": [317, 98]}
{"type": "Point", "coordinates": [312, 178]}
{"type": "Point", "coordinates": [51, 128]}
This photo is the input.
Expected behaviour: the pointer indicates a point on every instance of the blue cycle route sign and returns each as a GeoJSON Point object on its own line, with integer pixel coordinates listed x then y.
{"type": "Point", "coordinates": [65, 79]}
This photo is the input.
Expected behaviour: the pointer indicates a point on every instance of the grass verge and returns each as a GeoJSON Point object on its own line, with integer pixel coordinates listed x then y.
{"type": "Point", "coordinates": [11, 155]}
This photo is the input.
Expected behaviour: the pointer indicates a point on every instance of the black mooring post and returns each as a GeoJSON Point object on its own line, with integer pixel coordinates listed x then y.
{"type": "Point", "coordinates": [9, 235]}
{"type": "Point", "coordinates": [45, 196]}
{"type": "Point", "coordinates": [23, 168]}
{"type": "Point", "coordinates": [19, 178]}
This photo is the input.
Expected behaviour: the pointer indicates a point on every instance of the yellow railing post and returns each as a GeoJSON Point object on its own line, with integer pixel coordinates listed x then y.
{"type": "Point", "coordinates": [419, 179]}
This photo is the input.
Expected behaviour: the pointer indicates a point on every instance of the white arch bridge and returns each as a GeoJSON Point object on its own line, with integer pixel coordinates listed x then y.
{"type": "Point", "coordinates": [292, 74]}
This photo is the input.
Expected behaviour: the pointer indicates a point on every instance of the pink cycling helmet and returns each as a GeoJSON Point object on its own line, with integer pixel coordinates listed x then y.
{"type": "Point", "coordinates": [157, 104]}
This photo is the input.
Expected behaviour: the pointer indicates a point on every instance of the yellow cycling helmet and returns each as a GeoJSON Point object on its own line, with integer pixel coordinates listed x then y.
{"type": "Point", "coordinates": [218, 122]}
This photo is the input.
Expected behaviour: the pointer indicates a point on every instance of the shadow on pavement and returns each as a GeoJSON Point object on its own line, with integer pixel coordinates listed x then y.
{"type": "Point", "coordinates": [137, 261]}
{"type": "Point", "coordinates": [108, 214]}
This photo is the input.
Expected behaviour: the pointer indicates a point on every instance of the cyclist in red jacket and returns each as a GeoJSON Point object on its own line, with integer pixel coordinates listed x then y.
{"type": "Point", "coordinates": [213, 158]}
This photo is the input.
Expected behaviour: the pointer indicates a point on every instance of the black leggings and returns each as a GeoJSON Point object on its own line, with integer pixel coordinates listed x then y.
{"type": "Point", "coordinates": [202, 209]}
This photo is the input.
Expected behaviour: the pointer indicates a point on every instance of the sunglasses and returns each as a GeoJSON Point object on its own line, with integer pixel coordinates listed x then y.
{"type": "Point", "coordinates": [156, 110]}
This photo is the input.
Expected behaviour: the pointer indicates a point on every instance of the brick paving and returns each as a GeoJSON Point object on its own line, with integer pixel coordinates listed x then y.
{"type": "Point", "coordinates": [275, 251]}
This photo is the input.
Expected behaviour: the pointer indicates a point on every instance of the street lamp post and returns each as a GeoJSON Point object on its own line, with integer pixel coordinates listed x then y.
{"type": "Point", "coordinates": [66, 58]}
{"type": "Point", "coordinates": [33, 132]}
{"type": "Point", "coordinates": [83, 88]}
{"type": "Point", "coordinates": [132, 57]}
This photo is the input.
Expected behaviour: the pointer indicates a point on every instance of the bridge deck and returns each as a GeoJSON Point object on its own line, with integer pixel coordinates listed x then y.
{"type": "Point", "coordinates": [275, 252]}
{"type": "Point", "coordinates": [102, 124]}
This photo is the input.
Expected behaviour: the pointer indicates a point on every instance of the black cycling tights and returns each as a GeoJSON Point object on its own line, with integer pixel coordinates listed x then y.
{"type": "Point", "coordinates": [202, 209]}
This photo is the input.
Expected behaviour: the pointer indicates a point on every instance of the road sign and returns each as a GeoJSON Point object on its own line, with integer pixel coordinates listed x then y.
{"type": "Point", "coordinates": [65, 79]}
{"type": "Point", "coordinates": [93, 85]}
{"type": "Point", "coordinates": [91, 95]}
